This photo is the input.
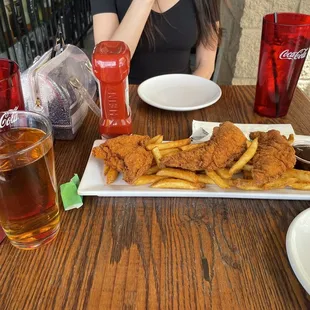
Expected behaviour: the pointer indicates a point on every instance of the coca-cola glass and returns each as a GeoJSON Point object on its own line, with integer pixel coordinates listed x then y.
{"type": "Point", "coordinates": [29, 208]}
{"type": "Point", "coordinates": [284, 47]}
{"type": "Point", "coordinates": [11, 95]}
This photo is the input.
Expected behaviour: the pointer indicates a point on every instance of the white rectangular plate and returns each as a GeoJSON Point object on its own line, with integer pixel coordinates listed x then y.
{"type": "Point", "coordinates": [93, 184]}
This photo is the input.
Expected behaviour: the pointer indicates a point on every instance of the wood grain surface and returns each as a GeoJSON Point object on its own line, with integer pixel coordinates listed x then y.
{"type": "Point", "coordinates": [170, 253]}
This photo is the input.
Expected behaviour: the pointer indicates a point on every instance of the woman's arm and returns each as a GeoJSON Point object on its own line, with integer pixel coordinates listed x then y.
{"type": "Point", "coordinates": [205, 58]}
{"type": "Point", "coordinates": [107, 26]}
{"type": "Point", "coordinates": [205, 61]}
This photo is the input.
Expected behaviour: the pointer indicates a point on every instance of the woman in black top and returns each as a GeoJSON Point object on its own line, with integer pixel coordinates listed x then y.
{"type": "Point", "coordinates": [160, 34]}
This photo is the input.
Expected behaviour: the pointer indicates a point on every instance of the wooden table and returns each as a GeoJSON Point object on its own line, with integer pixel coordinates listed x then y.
{"type": "Point", "coordinates": [170, 253]}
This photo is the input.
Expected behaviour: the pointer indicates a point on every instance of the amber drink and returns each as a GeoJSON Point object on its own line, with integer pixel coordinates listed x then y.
{"type": "Point", "coordinates": [29, 212]}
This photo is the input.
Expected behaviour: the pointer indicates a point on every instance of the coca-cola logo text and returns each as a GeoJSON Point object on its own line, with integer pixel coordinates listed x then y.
{"type": "Point", "coordinates": [294, 55]}
{"type": "Point", "coordinates": [8, 118]}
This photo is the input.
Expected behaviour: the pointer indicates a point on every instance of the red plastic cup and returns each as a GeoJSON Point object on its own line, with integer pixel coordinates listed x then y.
{"type": "Point", "coordinates": [11, 95]}
{"type": "Point", "coordinates": [284, 47]}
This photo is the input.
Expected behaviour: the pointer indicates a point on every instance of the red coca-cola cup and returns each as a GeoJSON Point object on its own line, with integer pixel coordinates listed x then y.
{"type": "Point", "coordinates": [284, 47]}
{"type": "Point", "coordinates": [11, 95]}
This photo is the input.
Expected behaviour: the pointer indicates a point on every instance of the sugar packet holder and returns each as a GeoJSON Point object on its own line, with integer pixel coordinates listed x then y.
{"type": "Point", "coordinates": [47, 89]}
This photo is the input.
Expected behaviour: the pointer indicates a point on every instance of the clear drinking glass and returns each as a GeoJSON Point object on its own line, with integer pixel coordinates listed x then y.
{"type": "Point", "coordinates": [29, 211]}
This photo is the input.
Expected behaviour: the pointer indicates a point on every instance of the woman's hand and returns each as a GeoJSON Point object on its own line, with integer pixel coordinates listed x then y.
{"type": "Point", "coordinates": [107, 26]}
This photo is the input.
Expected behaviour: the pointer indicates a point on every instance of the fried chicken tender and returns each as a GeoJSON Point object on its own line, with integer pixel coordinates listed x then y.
{"type": "Point", "coordinates": [126, 154]}
{"type": "Point", "coordinates": [226, 145]}
{"type": "Point", "coordinates": [273, 157]}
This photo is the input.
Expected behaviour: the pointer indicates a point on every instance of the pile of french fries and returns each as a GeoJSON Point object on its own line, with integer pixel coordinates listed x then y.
{"type": "Point", "coordinates": [237, 176]}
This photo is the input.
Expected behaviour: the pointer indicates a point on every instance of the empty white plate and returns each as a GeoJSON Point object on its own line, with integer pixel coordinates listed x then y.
{"type": "Point", "coordinates": [298, 248]}
{"type": "Point", "coordinates": [179, 92]}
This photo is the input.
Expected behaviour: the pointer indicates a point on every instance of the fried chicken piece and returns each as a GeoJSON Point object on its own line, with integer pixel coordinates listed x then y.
{"type": "Point", "coordinates": [226, 145]}
{"type": "Point", "coordinates": [273, 157]}
{"type": "Point", "coordinates": [126, 154]}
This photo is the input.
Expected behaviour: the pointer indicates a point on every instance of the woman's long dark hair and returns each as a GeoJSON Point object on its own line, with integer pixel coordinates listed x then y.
{"type": "Point", "coordinates": [207, 16]}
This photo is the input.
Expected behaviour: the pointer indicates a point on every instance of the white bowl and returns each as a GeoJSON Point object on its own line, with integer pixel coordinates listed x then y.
{"type": "Point", "coordinates": [298, 248]}
{"type": "Point", "coordinates": [179, 92]}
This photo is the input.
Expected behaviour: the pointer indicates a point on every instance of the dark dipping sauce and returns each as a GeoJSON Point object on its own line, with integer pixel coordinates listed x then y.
{"type": "Point", "coordinates": [302, 157]}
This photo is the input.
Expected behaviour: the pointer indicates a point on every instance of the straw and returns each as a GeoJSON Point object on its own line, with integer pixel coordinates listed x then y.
{"type": "Point", "coordinates": [274, 69]}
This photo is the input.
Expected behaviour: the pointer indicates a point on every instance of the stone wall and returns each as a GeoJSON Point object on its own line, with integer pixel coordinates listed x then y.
{"type": "Point", "coordinates": [242, 20]}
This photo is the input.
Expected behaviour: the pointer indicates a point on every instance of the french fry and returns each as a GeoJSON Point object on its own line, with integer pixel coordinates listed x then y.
{"type": "Point", "coordinates": [245, 158]}
{"type": "Point", "coordinates": [248, 143]}
{"type": "Point", "coordinates": [301, 175]}
{"type": "Point", "coordinates": [301, 186]}
{"type": "Point", "coordinates": [191, 146]}
{"type": "Point", "coordinates": [291, 139]}
{"type": "Point", "coordinates": [178, 174]}
{"type": "Point", "coordinates": [177, 183]}
{"type": "Point", "coordinates": [152, 170]}
{"type": "Point", "coordinates": [217, 179]}
{"type": "Point", "coordinates": [111, 176]}
{"type": "Point", "coordinates": [160, 139]}
{"type": "Point", "coordinates": [105, 169]}
{"type": "Point", "coordinates": [248, 185]}
{"type": "Point", "coordinates": [203, 178]}
{"type": "Point", "coordinates": [169, 151]}
{"type": "Point", "coordinates": [280, 183]}
{"type": "Point", "coordinates": [154, 140]}
{"type": "Point", "coordinates": [147, 179]}
{"type": "Point", "coordinates": [169, 145]}
{"type": "Point", "coordinates": [224, 173]}
{"type": "Point", "coordinates": [247, 167]}
{"type": "Point", "coordinates": [157, 155]}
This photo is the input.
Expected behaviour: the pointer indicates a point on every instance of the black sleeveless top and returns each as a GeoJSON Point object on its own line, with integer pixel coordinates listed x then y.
{"type": "Point", "coordinates": [171, 53]}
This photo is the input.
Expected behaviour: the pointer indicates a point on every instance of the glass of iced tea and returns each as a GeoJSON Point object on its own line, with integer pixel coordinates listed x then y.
{"type": "Point", "coordinates": [29, 211]}
{"type": "Point", "coordinates": [11, 95]}
{"type": "Point", "coordinates": [284, 47]}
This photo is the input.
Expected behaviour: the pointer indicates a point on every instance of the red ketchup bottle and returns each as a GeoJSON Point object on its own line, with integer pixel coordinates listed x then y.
{"type": "Point", "coordinates": [111, 63]}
